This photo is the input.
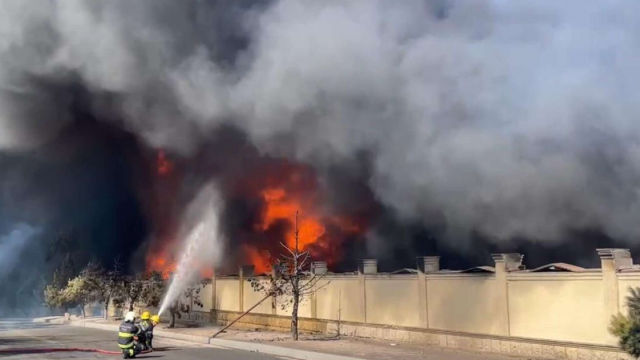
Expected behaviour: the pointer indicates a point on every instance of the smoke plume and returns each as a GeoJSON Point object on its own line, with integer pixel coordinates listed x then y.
{"type": "Point", "coordinates": [493, 119]}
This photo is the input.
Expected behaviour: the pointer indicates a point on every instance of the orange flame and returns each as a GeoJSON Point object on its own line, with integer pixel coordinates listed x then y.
{"type": "Point", "coordinates": [297, 191]}
{"type": "Point", "coordinates": [260, 261]}
{"type": "Point", "coordinates": [161, 263]}
{"type": "Point", "coordinates": [281, 206]}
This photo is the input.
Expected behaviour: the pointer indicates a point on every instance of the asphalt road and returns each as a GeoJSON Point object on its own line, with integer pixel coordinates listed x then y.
{"type": "Point", "coordinates": [19, 333]}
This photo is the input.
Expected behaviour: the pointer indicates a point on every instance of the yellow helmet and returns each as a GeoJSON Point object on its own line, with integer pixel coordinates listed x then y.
{"type": "Point", "coordinates": [145, 315]}
{"type": "Point", "coordinates": [155, 319]}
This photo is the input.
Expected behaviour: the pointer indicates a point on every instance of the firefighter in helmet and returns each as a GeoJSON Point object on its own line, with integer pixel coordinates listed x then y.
{"type": "Point", "coordinates": [126, 333]}
{"type": "Point", "coordinates": [146, 328]}
{"type": "Point", "coordinates": [155, 320]}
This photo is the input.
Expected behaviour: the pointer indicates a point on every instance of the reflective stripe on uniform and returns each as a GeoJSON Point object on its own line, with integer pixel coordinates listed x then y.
{"type": "Point", "coordinates": [125, 335]}
{"type": "Point", "coordinates": [125, 346]}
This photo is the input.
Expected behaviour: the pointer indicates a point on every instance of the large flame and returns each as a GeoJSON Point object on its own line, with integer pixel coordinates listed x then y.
{"type": "Point", "coordinates": [282, 206]}
{"type": "Point", "coordinates": [161, 262]}
{"type": "Point", "coordinates": [294, 199]}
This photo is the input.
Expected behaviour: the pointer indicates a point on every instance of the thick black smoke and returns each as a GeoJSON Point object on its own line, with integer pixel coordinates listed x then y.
{"type": "Point", "coordinates": [466, 127]}
{"type": "Point", "coordinates": [74, 197]}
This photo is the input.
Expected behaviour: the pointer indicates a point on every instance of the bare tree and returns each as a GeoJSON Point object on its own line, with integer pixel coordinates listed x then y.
{"type": "Point", "coordinates": [291, 281]}
{"type": "Point", "coordinates": [153, 289]}
{"type": "Point", "coordinates": [131, 292]}
{"type": "Point", "coordinates": [110, 285]}
{"type": "Point", "coordinates": [178, 308]}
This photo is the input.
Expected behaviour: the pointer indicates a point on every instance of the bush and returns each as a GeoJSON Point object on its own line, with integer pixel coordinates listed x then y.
{"type": "Point", "coordinates": [627, 327]}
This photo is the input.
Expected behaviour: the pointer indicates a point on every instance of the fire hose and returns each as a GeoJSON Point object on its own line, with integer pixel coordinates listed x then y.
{"type": "Point", "coordinates": [55, 350]}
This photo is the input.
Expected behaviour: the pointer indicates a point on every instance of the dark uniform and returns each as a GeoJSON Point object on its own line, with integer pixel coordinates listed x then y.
{"type": "Point", "coordinates": [125, 339]}
{"type": "Point", "coordinates": [146, 328]}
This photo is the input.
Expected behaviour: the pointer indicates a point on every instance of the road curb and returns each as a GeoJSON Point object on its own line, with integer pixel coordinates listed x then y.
{"type": "Point", "coordinates": [54, 320]}
{"type": "Point", "coordinates": [185, 337]}
{"type": "Point", "coordinates": [156, 333]}
{"type": "Point", "coordinates": [230, 344]}
{"type": "Point", "coordinates": [277, 350]}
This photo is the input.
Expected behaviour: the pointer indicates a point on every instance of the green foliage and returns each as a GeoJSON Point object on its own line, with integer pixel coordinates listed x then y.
{"type": "Point", "coordinates": [55, 294]}
{"type": "Point", "coordinates": [633, 303]}
{"type": "Point", "coordinates": [52, 297]}
{"type": "Point", "coordinates": [79, 290]}
{"type": "Point", "coordinates": [627, 328]}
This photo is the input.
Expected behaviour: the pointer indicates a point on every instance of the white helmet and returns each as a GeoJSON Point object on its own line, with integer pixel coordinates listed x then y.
{"type": "Point", "coordinates": [130, 317]}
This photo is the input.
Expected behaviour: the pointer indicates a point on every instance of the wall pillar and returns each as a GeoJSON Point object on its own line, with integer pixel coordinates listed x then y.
{"type": "Point", "coordinates": [365, 267]}
{"type": "Point", "coordinates": [425, 265]}
{"type": "Point", "coordinates": [504, 263]}
{"type": "Point", "coordinates": [318, 269]}
{"type": "Point", "coordinates": [214, 305]}
{"type": "Point", "coordinates": [246, 272]}
{"type": "Point", "coordinates": [611, 261]}
{"type": "Point", "coordinates": [274, 298]}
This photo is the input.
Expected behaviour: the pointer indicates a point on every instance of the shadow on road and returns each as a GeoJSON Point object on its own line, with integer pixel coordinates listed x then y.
{"type": "Point", "coordinates": [22, 324]}
{"type": "Point", "coordinates": [17, 341]}
{"type": "Point", "coordinates": [165, 348]}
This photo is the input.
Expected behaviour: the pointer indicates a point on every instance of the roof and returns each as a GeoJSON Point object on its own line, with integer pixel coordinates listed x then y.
{"type": "Point", "coordinates": [632, 268]}
{"type": "Point", "coordinates": [478, 269]}
{"type": "Point", "coordinates": [559, 267]}
{"type": "Point", "coordinates": [405, 271]}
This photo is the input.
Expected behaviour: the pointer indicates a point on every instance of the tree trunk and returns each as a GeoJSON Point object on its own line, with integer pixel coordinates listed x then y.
{"type": "Point", "coordinates": [106, 308]}
{"type": "Point", "coordinates": [296, 287]}
{"type": "Point", "coordinates": [82, 311]}
{"type": "Point", "coordinates": [172, 322]}
{"type": "Point", "coordinates": [131, 306]}
{"type": "Point", "coordinates": [294, 315]}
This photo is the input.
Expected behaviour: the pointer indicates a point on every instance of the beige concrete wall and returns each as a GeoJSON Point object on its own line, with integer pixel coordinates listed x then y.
{"type": "Point", "coordinates": [251, 297]}
{"type": "Point", "coordinates": [392, 300]}
{"type": "Point", "coordinates": [558, 307]}
{"type": "Point", "coordinates": [338, 299]}
{"type": "Point", "coordinates": [205, 298]}
{"type": "Point", "coordinates": [227, 294]}
{"type": "Point", "coordinates": [462, 303]}
{"type": "Point", "coordinates": [561, 307]}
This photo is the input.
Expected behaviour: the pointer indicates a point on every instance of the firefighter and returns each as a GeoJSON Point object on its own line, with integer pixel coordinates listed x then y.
{"type": "Point", "coordinates": [146, 328]}
{"type": "Point", "coordinates": [155, 320]}
{"type": "Point", "coordinates": [128, 330]}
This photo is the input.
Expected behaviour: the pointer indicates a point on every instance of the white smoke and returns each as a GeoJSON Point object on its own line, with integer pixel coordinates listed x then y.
{"type": "Point", "coordinates": [511, 118]}
{"type": "Point", "coordinates": [12, 245]}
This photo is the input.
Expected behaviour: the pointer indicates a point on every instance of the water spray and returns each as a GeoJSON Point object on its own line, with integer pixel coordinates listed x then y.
{"type": "Point", "coordinates": [202, 243]}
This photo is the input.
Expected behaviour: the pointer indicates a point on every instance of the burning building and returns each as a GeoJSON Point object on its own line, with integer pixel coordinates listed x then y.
{"type": "Point", "coordinates": [394, 129]}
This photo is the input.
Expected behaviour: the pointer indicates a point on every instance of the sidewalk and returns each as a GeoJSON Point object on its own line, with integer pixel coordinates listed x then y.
{"type": "Point", "coordinates": [308, 347]}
